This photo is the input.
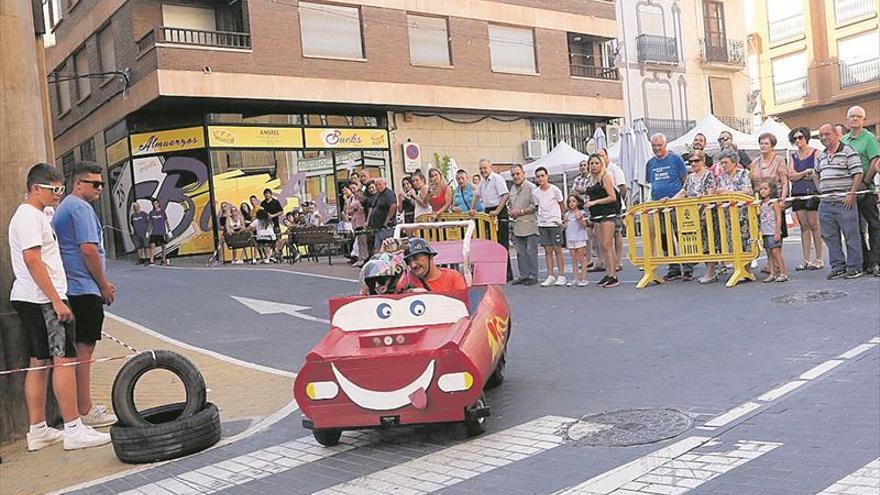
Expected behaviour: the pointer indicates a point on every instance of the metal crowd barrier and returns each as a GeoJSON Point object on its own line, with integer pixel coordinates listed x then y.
{"type": "Point", "coordinates": [722, 228]}
{"type": "Point", "coordinates": [486, 227]}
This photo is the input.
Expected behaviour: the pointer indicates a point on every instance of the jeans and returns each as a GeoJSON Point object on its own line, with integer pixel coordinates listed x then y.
{"type": "Point", "coordinates": [527, 255]}
{"type": "Point", "coordinates": [380, 236]}
{"type": "Point", "coordinates": [835, 220]}
{"type": "Point", "coordinates": [868, 212]}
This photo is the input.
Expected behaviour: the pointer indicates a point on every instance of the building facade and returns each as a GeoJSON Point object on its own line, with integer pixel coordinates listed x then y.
{"type": "Point", "coordinates": [681, 60]}
{"type": "Point", "coordinates": [201, 101]}
{"type": "Point", "coordinates": [816, 58]}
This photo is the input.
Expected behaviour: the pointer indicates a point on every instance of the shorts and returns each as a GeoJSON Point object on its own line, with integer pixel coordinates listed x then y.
{"type": "Point", "coordinates": [771, 243]}
{"type": "Point", "coordinates": [88, 309]}
{"type": "Point", "coordinates": [576, 244]}
{"type": "Point", "coordinates": [619, 227]}
{"type": "Point", "coordinates": [140, 241]}
{"type": "Point", "coordinates": [265, 242]}
{"type": "Point", "coordinates": [158, 240]}
{"type": "Point", "coordinates": [550, 236]}
{"type": "Point", "coordinates": [46, 336]}
{"type": "Point", "coordinates": [811, 204]}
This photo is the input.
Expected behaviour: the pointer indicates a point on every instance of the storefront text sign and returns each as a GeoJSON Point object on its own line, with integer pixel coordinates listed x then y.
{"type": "Point", "coordinates": [148, 143]}
{"type": "Point", "coordinates": [117, 152]}
{"type": "Point", "coordinates": [346, 138]}
{"type": "Point", "coordinates": [254, 137]}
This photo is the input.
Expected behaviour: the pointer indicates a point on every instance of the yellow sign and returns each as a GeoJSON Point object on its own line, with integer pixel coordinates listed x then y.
{"type": "Point", "coordinates": [254, 137]}
{"type": "Point", "coordinates": [148, 143]}
{"type": "Point", "coordinates": [346, 138]}
{"type": "Point", "coordinates": [117, 152]}
{"type": "Point", "coordinates": [688, 220]}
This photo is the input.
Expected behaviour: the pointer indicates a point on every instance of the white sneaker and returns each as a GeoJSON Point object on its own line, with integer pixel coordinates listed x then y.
{"type": "Point", "coordinates": [43, 437]}
{"type": "Point", "coordinates": [98, 417]}
{"type": "Point", "coordinates": [550, 280]}
{"type": "Point", "coordinates": [583, 283]}
{"type": "Point", "coordinates": [237, 262]}
{"type": "Point", "coordinates": [572, 283]}
{"type": "Point", "coordinates": [561, 281]}
{"type": "Point", "coordinates": [83, 437]}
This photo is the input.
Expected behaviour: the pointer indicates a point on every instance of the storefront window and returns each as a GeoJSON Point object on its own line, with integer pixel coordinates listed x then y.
{"type": "Point", "coordinates": [237, 118]}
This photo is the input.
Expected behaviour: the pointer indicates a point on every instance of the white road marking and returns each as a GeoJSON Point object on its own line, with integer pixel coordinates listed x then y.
{"type": "Point", "coordinates": [460, 462]}
{"type": "Point", "coordinates": [855, 351]}
{"type": "Point", "coordinates": [278, 270]}
{"type": "Point", "coordinates": [865, 481]}
{"type": "Point", "coordinates": [781, 390]}
{"type": "Point", "coordinates": [672, 470]}
{"type": "Point", "coordinates": [207, 352]}
{"type": "Point", "coordinates": [875, 340]}
{"type": "Point", "coordinates": [821, 369]}
{"type": "Point", "coordinates": [271, 307]}
{"type": "Point", "coordinates": [733, 414]}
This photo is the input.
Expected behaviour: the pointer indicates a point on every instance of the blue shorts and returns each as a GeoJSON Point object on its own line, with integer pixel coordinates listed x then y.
{"type": "Point", "coordinates": [771, 243]}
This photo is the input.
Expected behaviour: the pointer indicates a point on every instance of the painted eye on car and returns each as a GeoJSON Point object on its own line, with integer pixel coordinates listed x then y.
{"type": "Point", "coordinates": [417, 308]}
{"type": "Point", "coordinates": [383, 311]}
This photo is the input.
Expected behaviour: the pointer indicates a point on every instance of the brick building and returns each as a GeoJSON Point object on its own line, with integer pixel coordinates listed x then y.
{"type": "Point", "coordinates": [229, 97]}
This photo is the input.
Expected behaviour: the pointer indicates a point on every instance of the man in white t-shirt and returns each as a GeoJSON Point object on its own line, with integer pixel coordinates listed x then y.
{"type": "Point", "coordinates": [493, 194]}
{"type": "Point", "coordinates": [39, 295]}
{"type": "Point", "coordinates": [548, 198]}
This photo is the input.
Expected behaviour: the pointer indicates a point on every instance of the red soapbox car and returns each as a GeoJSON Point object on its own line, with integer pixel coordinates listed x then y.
{"type": "Point", "coordinates": [413, 358]}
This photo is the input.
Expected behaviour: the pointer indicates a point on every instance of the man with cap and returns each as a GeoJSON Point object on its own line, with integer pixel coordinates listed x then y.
{"type": "Point", "coordinates": [423, 273]}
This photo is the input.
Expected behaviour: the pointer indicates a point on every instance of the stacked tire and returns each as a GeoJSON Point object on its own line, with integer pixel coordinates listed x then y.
{"type": "Point", "coordinates": [164, 432]}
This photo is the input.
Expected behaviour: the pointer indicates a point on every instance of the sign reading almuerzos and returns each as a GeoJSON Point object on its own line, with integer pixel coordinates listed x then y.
{"type": "Point", "coordinates": [150, 143]}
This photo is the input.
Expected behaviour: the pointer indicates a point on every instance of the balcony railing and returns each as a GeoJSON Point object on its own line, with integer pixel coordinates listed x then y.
{"type": "Point", "coordinates": [786, 28]}
{"type": "Point", "coordinates": [671, 128]}
{"type": "Point", "coordinates": [741, 124]}
{"type": "Point", "coordinates": [791, 90]}
{"type": "Point", "coordinates": [657, 49]}
{"type": "Point", "coordinates": [845, 10]}
{"type": "Point", "coordinates": [580, 70]}
{"type": "Point", "coordinates": [720, 50]}
{"type": "Point", "coordinates": [184, 36]}
{"type": "Point", "coordinates": [859, 73]}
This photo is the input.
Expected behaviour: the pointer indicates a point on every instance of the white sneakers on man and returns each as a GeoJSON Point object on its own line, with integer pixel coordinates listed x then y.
{"type": "Point", "coordinates": [550, 280]}
{"type": "Point", "coordinates": [560, 281]}
{"type": "Point", "coordinates": [83, 437]}
{"type": "Point", "coordinates": [98, 417]}
{"type": "Point", "coordinates": [43, 437]}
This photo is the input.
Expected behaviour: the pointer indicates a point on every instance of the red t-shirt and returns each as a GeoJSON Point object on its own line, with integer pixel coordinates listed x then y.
{"type": "Point", "coordinates": [447, 280]}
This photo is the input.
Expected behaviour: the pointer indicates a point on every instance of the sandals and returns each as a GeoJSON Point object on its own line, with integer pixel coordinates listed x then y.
{"type": "Point", "coordinates": [768, 279]}
{"type": "Point", "coordinates": [782, 278]}
{"type": "Point", "coordinates": [817, 265]}
{"type": "Point", "coordinates": [805, 265]}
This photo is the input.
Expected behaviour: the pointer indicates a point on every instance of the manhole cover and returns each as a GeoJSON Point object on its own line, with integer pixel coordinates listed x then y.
{"type": "Point", "coordinates": [628, 427]}
{"type": "Point", "coordinates": [809, 296]}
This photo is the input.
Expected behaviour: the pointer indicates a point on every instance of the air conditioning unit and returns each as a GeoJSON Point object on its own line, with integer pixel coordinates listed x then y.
{"type": "Point", "coordinates": [612, 134]}
{"type": "Point", "coordinates": [534, 149]}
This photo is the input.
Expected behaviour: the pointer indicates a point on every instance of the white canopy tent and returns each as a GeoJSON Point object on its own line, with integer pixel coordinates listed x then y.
{"type": "Point", "coordinates": [563, 158]}
{"type": "Point", "coordinates": [711, 127]}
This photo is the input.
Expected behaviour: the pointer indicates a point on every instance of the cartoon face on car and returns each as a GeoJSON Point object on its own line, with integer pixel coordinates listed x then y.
{"type": "Point", "coordinates": [416, 310]}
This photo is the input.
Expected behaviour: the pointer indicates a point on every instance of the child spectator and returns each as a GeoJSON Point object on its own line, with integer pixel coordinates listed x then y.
{"type": "Point", "coordinates": [265, 232]}
{"type": "Point", "coordinates": [576, 240]}
{"type": "Point", "coordinates": [139, 222]}
{"type": "Point", "coordinates": [159, 230]}
{"type": "Point", "coordinates": [771, 231]}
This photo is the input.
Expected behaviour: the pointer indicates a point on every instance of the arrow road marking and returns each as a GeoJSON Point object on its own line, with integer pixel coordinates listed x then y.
{"type": "Point", "coordinates": [270, 308]}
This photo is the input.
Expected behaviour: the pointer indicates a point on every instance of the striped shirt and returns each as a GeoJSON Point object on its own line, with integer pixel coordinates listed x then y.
{"type": "Point", "coordinates": [836, 170]}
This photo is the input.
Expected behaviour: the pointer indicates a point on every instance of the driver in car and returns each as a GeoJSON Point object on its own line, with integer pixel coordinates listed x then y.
{"type": "Point", "coordinates": [385, 273]}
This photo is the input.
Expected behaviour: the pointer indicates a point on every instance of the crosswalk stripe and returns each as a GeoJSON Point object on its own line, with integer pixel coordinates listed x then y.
{"type": "Point", "coordinates": [864, 481]}
{"type": "Point", "coordinates": [672, 470]}
{"type": "Point", "coordinates": [249, 467]}
{"type": "Point", "coordinates": [460, 462]}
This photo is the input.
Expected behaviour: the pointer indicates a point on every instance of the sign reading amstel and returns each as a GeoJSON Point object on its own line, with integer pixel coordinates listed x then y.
{"type": "Point", "coordinates": [148, 143]}
{"type": "Point", "coordinates": [346, 138]}
{"type": "Point", "coordinates": [254, 137]}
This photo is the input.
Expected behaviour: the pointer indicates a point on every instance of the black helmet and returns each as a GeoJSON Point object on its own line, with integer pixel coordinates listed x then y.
{"type": "Point", "coordinates": [417, 245]}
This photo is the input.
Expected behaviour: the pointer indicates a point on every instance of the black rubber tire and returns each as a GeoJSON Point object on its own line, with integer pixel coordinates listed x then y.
{"type": "Point", "coordinates": [134, 369]}
{"type": "Point", "coordinates": [327, 437]}
{"type": "Point", "coordinates": [475, 426]}
{"type": "Point", "coordinates": [497, 376]}
{"type": "Point", "coordinates": [167, 437]}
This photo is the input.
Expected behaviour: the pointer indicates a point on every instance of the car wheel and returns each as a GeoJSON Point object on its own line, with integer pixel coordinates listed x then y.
{"type": "Point", "coordinates": [327, 437]}
{"type": "Point", "coordinates": [497, 376]}
{"type": "Point", "coordinates": [168, 435]}
{"type": "Point", "coordinates": [475, 425]}
{"type": "Point", "coordinates": [134, 369]}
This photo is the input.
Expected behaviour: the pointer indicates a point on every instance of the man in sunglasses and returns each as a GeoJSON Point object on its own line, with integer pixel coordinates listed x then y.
{"type": "Point", "coordinates": [725, 139]}
{"type": "Point", "coordinates": [81, 239]}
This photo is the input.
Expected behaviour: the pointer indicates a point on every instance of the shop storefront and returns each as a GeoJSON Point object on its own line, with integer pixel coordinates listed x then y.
{"type": "Point", "coordinates": [229, 159]}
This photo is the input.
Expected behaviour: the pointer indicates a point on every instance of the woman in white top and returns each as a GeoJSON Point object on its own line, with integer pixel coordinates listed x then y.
{"type": "Point", "coordinates": [419, 195]}
{"type": "Point", "coordinates": [265, 232]}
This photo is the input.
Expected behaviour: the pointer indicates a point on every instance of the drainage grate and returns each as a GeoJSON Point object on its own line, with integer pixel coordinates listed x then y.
{"type": "Point", "coordinates": [628, 427]}
{"type": "Point", "coordinates": [810, 296]}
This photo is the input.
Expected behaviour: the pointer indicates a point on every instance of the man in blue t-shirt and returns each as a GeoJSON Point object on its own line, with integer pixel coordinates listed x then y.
{"type": "Point", "coordinates": [139, 222]}
{"type": "Point", "coordinates": [81, 241]}
{"type": "Point", "coordinates": [666, 173]}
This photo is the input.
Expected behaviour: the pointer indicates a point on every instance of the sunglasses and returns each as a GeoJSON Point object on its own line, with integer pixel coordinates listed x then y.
{"type": "Point", "coordinates": [97, 184]}
{"type": "Point", "coordinates": [56, 190]}
{"type": "Point", "coordinates": [799, 137]}
{"type": "Point", "coordinates": [695, 160]}
{"type": "Point", "coordinates": [722, 139]}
